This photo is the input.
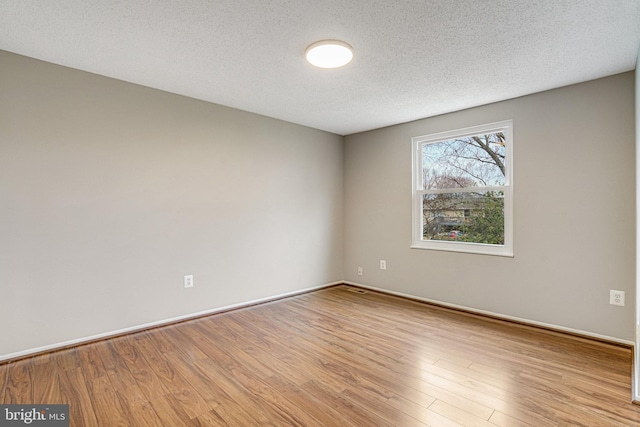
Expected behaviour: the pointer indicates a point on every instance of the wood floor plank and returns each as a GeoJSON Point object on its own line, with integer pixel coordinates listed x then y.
{"type": "Point", "coordinates": [348, 409]}
{"type": "Point", "coordinates": [371, 403]}
{"type": "Point", "coordinates": [298, 361]}
{"type": "Point", "coordinates": [111, 361]}
{"type": "Point", "coordinates": [233, 388]}
{"type": "Point", "coordinates": [144, 376]}
{"type": "Point", "coordinates": [3, 382]}
{"type": "Point", "coordinates": [19, 383]}
{"type": "Point", "coordinates": [334, 357]}
{"type": "Point", "coordinates": [224, 407]}
{"type": "Point", "coordinates": [458, 415]}
{"type": "Point", "coordinates": [139, 413]}
{"type": "Point", "coordinates": [73, 387]}
{"type": "Point", "coordinates": [176, 339]}
{"type": "Point", "coordinates": [212, 418]}
{"type": "Point", "coordinates": [106, 404]}
{"type": "Point", "coordinates": [123, 382]}
{"type": "Point", "coordinates": [322, 413]}
{"type": "Point", "coordinates": [46, 384]}
{"type": "Point", "coordinates": [169, 412]}
{"type": "Point", "coordinates": [419, 411]}
{"type": "Point", "coordinates": [67, 359]}
{"type": "Point", "coordinates": [274, 353]}
{"type": "Point", "coordinates": [191, 401]}
{"type": "Point", "coordinates": [279, 404]}
{"type": "Point", "coordinates": [230, 352]}
{"type": "Point", "coordinates": [91, 361]}
{"type": "Point", "coordinates": [503, 420]}
{"type": "Point", "coordinates": [300, 365]}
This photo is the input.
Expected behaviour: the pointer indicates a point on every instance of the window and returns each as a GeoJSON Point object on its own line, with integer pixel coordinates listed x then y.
{"type": "Point", "coordinates": [462, 190]}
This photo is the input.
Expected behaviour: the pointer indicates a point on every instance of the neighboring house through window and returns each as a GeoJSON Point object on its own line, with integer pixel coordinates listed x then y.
{"type": "Point", "coordinates": [462, 190]}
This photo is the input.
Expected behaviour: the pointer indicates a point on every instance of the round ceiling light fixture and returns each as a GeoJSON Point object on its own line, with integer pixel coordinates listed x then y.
{"type": "Point", "coordinates": [329, 54]}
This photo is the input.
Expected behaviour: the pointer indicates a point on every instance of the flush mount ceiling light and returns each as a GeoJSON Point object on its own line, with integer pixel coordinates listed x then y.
{"type": "Point", "coordinates": [329, 54]}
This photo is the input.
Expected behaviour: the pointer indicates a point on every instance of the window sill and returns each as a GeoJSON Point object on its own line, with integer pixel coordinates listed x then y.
{"type": "Point", "coordinates": [467, 248]}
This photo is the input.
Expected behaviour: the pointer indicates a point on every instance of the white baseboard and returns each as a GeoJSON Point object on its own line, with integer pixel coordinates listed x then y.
{"type": "Point", "coordinates": [137, 328]}
{"type": "Point", "coordinates": [499, 316]}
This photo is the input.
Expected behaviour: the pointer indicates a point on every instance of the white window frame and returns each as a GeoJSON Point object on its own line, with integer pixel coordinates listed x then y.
{"type": "Point", "coordinates": [418, 191]}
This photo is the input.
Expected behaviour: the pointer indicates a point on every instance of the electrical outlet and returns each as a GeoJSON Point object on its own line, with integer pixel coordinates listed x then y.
{"type": "Point", "coordinates": [383, 264]}
{"type": "Point", "coordinates": [616, 297]}
{"type": "Point", "coordinates": [360, 271]}
{"type": "Point", "coordinates": [188, 281]}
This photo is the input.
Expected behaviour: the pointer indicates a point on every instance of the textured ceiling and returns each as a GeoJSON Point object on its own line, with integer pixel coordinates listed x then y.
{"type": "Point", "coordinates": [413, 59]}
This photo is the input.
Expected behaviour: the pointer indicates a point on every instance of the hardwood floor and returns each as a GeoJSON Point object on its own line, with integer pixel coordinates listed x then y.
{"type": "Point", "coordinates": [334, 358]}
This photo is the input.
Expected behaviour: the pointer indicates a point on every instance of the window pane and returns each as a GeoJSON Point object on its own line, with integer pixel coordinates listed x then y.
{"type": "Point", "coordinates": [464, 162]}
{"type": "Point", "coordinates": [476, 217]}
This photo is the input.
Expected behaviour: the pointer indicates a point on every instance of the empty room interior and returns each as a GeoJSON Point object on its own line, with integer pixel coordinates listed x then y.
{"type": "Point", "coordinates": [198, 226]}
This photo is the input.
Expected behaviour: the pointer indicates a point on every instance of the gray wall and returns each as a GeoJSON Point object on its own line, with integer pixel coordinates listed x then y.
{"type": "Point", "coordinates": [574, 203]}
{"type": "Point", "coordinates": [111, 192]}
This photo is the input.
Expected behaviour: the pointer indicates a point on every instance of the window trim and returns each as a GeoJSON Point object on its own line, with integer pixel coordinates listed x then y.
{"type": "Point", "coordinates": [417, 242]}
